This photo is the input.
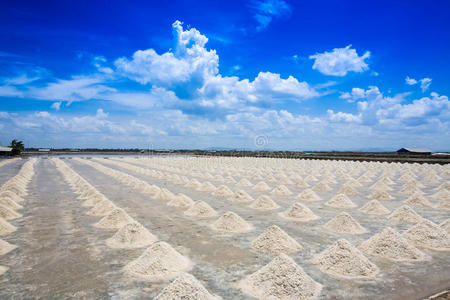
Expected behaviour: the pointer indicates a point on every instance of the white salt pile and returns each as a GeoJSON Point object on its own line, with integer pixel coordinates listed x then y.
{"type": "Point", "coordinates": [264, 202]}
{"type": "Point", "coordinates": [374, 207]}
{"type": "Point", "coordinates": [445, 225]}
{"type": "Point", "coordinates": [206, 187]}
{"type": "Point", "coordinates": [10, 203]}
{"type": "Point", "coordinates": [301, 184]}
{"type": "Point", "coordinates": [299, 212]}
{"type": "Point", "coordinates": [116, 219]}
{"type": "Point", "coordinates": [282, 278]}
{"type": "Point", "coordinates": [132, 235]}
{"type": "Point", "coordinates": [417, 200]}
{"type": "Point", "coordinates": [180, 200]}
{"type": "Point", "coordinates": [6, 247]}
{"type": "Point", "coordinates": [159, 262]}
{"type": "Point", "coordinates": [275, 240]}
{"type": "Point", "coordinates": [341, 201]}
{"type": "Point", "coordinates": [391, 245]}
{"type": "Point", "coordinates": [94, 200]}
{"type": "Point", "coordinates": [348, 190]}
{"type": "Point", "coordinates": [321, 187]}
{"type": "Point", "coordinates": [242, 196]}
{"type": "Point", "coordinates": [102, 208]}
{"type": "Point", "coordinates": [200, 209]}
{"type": "Point", "coordinates": [223, 191]}
{"type": "Point", "coordinates": [3, 270]}
{"type": "Point", "coordinates": [8, 214]}
{"type": "Point", "coordinates": [6, 228]}
{"type": "Point", "coordinates": [344, 223]}
{"type": "Point", "coordinates": [405, 214]}
{"type": "Point", "coordinates": [244, 182]}
{"type": "Point", "coordinates": [185, 287]}
{"type": "Point", "coordinates": [428, 235]}
{"type": "Point", "coordinates": [381, 196]}
{"type": "Point", "coordinates": [444, 203]}
{"type": "Point", "coordinates": [308, 195]}
{"type": "Point", "coordinates": [281, 190]}
{"type": "Point", "coordinates": [11, 195]}
{"type": "Point", "coordinates": [231, 222]}
{"type": "Point", "coordinates": [261, 186]}
{"type": "Point", "coordinates": [344, 259]}
{"type": "Point", "coordinates": [165, 195]}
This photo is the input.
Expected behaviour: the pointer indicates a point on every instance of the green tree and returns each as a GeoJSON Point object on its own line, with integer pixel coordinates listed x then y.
{"type": "Point", "coordinates": [17, 147]}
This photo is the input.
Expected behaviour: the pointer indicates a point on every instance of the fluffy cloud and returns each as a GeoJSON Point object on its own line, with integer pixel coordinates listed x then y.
{"type": "Point", "coordinates": [340, 61]}
{"type": "Point", "coordinates": [267, 10]}
{"type": "Point", "coordinates": [425, 84]}
{"type": "Point", "coordinates": [410, 81]}
{"type": "Point", "coordinates": [56, 105]}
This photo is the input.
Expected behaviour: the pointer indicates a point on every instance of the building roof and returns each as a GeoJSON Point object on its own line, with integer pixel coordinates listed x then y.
{"type": "Point", "coordinates": [418, 150]}
{"type": "Point", "coordinates": [5, 149]}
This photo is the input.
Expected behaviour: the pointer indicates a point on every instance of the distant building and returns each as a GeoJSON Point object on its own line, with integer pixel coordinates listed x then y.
{"type": "Point", "coordinates": [44, 150]}
{"type": "Point", "coordinates": [417, 151]}
{"type": "Point", "coordinates": [5, 151]}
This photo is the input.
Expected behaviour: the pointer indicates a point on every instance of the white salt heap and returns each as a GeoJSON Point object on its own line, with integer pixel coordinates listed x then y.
{"type": "Point", "coordinates": [301, 184]}
{"type": "Point", "coordinates": [281, 190]}
{"type": "Point", "coordinates": [321, 187]}
{"type": "Point", "coordinates": [282, 278]}
{"type": "Point", "coordinates": [200, 209]}
{"type": "Point", "coordinates": [8, 214]}
{"type": "Point", "coordinates": [299, 212]}
{"type": "Point", "coordinates": [180, 200]}
{"type": "Point", "coordinates": [405, 214]}
{"type": "Point", "coordinates": [11, 195]}
{"type": "Point", "coordinates": [444, 202]}
{"type": "Point", "coordinates": [3, 270]}
{"type": "Point", "coordinates": [428, 235]}
{"type": "Point", "coordinates": [6, 247]}
{"type": "Point", "coordinates": [244, 182]}
{"type": "Point", "coordinates": [341, 201]}
{"type": "Point", "coordinates": [206, 187]}
{"type": "Point", "coordinates": [344, 259]}
{"type": "Point", "coordinates": [308, 195]}
{"type": "Point", "coordinates": [445, 225]}
{"type": "Point", "coordinates": [10, 203]}
{"type": "Point", "coordinates": [132, 235]}
{"type": "Point", "coordinates": [391, 245]}
{"type": "Point", "coordinates": [159, 262]}
{"type": "Point", "coordinates": [417, 200]}
{"type": "Point", "coordinates": [223, 191]}
{"type": "Point", "coordinates": [116, 219]}
{"type": "Point", "coordinates": [264, 202]}
{"type": "Point", "coordinates": [94, 200]}
{"type": "Point", "coordinates": [381, 196]}
{"type": "Point", "coordinates": [261, 186]}
{"type": "Point", "coordinates": [275, 240]}
{"type": "Point", "coordinates": [185, 287]}
{"type": "Point", "coordinates": [231, 222]}
{"type": "Point", "coordinates": [6, 228]}
{"type": "Point", "coordinates": [374, 207]}
{"type": "Point", "coordinates": [348, 190]}
{"type": "Point", "coordinates": [242, 196]}
{"type": "Point", "coordinates": [344, 223]}
{"type": "Point", "coordinates": [102, 208]}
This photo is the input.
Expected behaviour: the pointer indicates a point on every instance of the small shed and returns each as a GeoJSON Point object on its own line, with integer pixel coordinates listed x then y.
{"type": "Point", "coordinates": [416, 151]}
{"type": "Point", "coordinates": [5, 151]}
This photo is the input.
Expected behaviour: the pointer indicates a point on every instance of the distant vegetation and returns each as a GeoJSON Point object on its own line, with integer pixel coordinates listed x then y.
{"type": "Point", "coordinates": [17, 147]}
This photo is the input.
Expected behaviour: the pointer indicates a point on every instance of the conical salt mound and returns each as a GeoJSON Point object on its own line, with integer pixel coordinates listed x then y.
{"type": "Point", "coordinates": [6, 247]}
{"type": "Point", "coordinates": [374, 207]}
{"type": "Point", "coordinates": [344, 259]}
{"type": "Point", "coordinates": [444, 203]}
{"type": "Point", "coordinates": [299, 212]}
{"type": "Point", "coordinates": [242, 196]}
{"type": "Point", "coordinates": [275, 240]}
{"type": "Point", "coordinates": [341, 201]}
{"type": "Point", "coordinates": [308, 195]}
{"type": "Point", "coordinates": [446, 225]}
{"type": "Point", "coordinates": [206, 187]}
{"type": "Point", "coordinates": [159, 262]}
{"type": "Point", "coordinates": [261, 186]}
{"type": "Point", "coordinates": [7, 213]}
{"type": "Point", "coordinates": [116, 219]}
{"type": "Point", "coordinates": [223, 191]}
{"type": "Point", "coordinates": [10, 203]}
{"type": "Point", "coordinates": [321, 187]}
{"type": "Point", "coordinates": [200, 209]}
{"type": "Point", "coordinates": [92, 201]}
{"type": "Point", "coordinates": [417, 200]}
{"type": "Point", "coordinates": [231, 222]}
{"type": "Point", "coordinates": [428, 235]}
{"type": "Point", "coordinates": [11, 195]}
{"type": "Point", "coordinates": [281, 190]}
{"type": "Point", "coordinates": [344, 223]}
{"type": "Point", "coordinates": [165, 195]}
{"type": "Point", "coordinates": [102, 208]}
{"type": "Point", "coordinates": [441, 194]}
{"type": "Point", "coordinates": [301, 183]}
{"type": "Point", "coordinates": [348, 190]}
{"type": "Point", "coordinates": [180, 200]}
{"type": "Point", "coordinates": [3, 270]}
{"type": "Point", "coordinates": [6, 228]}
{"type": "Point", "coordinates": [185, 287]}
{"type": "Point", "coordinates": [264, 202]}
{"type": "Point", "coordinates": [244, 182]}
{"type": "Point", "coordinates": [405, 214]}
{"type": "Point", "coordinates": [381, 196]}
{"type": "Point", "coordinates": [282, 278]}
{"type": "Point", "coordinates": [391, 245]}
{"type": "Point", "coordinates": [132, 235]}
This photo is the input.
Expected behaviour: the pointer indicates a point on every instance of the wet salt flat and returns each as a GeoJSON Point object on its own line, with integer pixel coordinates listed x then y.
{"type": "Point", "coordinates": [234, 228]}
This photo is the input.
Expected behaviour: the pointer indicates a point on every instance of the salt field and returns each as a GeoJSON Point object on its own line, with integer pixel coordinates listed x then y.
{"type": "Point", "coordinates": [222, 228]}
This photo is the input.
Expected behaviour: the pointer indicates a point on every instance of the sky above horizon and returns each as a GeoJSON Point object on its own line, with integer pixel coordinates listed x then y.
{"type": "Point", "coordinates": [253, 74]}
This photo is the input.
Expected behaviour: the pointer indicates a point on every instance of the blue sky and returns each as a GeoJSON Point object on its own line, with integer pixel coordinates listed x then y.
{"type": "Point", "coordinates": [261, 74]}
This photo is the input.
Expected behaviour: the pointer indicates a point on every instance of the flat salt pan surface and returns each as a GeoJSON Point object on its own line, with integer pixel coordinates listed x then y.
{"type": "Point", "coordinates": [61, 255]}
